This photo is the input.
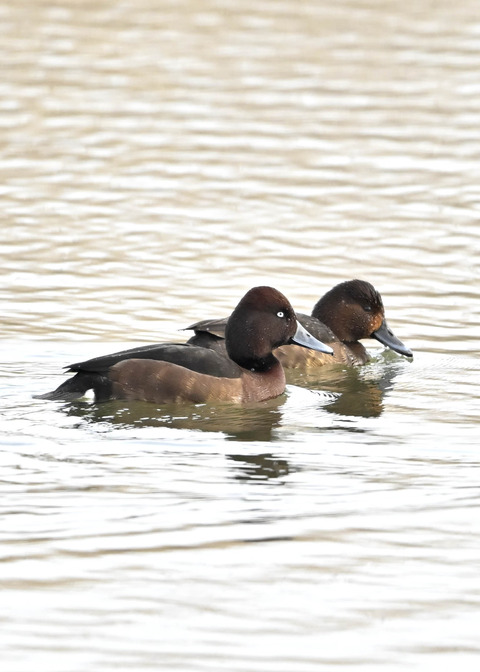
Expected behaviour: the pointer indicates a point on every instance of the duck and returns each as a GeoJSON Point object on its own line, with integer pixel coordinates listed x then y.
{"type": "Point", "coordinates": [350, 311]}
{"type": "Point", "coordinates": [246, 372]}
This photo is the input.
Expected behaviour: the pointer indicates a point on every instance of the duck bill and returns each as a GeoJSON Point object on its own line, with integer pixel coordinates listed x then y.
{"type": "Point", "coordinates": [386, 336]}
{"type": "Point", "coordinates": [304, 338]}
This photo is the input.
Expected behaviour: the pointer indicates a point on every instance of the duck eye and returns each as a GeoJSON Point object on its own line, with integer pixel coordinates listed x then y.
{"type": "Point", "coordinates": [280, 313]}
{"type": "Point", "coordinates": [367, 309]}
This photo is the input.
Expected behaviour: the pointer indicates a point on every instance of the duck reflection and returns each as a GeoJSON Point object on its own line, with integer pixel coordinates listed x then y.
{"type": "Point", "coordinates": [357, 391]}
{"type": "Point", "coordinates": [238, 423]}
{"type": "Point", "coordinates": [265, 466]}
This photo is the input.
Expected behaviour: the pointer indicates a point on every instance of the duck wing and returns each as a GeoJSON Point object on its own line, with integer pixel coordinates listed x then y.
{"type": "Point", "coordinates": [213, 327]}
{"type": "Point", "coordinates": [189, 356]}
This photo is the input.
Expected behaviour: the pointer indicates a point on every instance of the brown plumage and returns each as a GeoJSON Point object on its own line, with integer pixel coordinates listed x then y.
{"type": "Point", "coordinates": [181, 372]}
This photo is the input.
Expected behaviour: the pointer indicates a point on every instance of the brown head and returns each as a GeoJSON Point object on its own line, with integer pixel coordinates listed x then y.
{"type": "Point", "coordinates": [262, 321]}
{"type": "Point", "coordinates": [354, 310]}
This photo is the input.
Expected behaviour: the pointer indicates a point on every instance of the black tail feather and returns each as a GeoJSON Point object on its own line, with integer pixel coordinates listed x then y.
{"type": "Point", "coordinates": [74, 388]}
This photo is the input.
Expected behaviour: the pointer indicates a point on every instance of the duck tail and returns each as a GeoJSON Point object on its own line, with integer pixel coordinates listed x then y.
{"type": "Point", "coordinates": [71, 389]}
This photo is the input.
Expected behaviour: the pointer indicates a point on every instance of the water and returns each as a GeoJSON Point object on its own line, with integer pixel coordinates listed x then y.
{"type": "Point", "coordinates": [157, 160]}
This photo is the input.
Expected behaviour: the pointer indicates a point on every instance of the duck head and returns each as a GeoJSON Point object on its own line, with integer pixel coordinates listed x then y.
{"type": "Point", "coordinates": [354, 310]}
{"type": "Point", "coordinates": [264, 320]}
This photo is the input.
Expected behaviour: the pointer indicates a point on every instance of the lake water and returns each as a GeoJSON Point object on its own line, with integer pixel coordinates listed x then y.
{"type": "Point", "coordinates": [157, 160]}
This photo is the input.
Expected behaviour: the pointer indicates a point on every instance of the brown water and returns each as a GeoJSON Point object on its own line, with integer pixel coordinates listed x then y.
{"type": "Point", "coordinates": [157, 159]}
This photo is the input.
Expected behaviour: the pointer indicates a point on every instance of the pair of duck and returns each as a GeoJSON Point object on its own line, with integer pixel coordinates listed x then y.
{"type": "Point", "coordinates": [241, 359]}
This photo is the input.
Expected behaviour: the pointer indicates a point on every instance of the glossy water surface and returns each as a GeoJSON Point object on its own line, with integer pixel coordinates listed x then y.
{"type": "Point", "coordinates": [158, 159]}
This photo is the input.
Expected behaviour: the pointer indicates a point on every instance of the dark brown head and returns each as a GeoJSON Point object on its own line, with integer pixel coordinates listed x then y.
{"type": "Point", "coordinates": [264, 320]}
{"type": "Point", "coordinates": [354, 310]}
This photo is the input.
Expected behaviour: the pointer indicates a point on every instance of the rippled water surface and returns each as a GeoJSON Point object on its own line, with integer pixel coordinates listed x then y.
{"type": "Point", "coordinates": [158, 159]}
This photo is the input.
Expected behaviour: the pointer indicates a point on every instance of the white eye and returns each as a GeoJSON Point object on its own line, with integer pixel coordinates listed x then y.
{"type": "Point", "coordinates": [280, 313]}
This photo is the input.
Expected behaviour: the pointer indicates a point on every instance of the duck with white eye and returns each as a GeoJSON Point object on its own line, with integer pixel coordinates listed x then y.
{"type": "Point", "coordinates": [184, 373]}
{"type": "Point", "coordinates": [303, 338]}
{"type": "Point", "coordinates": [257, 335]}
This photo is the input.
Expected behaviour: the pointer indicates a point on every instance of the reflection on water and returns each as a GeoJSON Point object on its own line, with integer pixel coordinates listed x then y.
{"type": "Point", "coordinates": [264, 466]}
{"type": "Point", "coordinates": [356, 391]}
{"type": "Point", "coordinates": [239, 423]}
